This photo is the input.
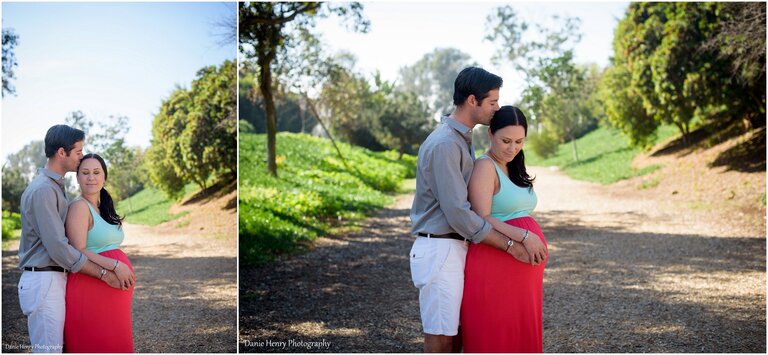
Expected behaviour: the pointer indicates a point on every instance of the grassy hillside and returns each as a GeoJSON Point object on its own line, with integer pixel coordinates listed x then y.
{"type": "Point", "coordinates": [605, 156]}
{"type": "Point", "coordinates": [150, 206]}
{"type": "Point", "coordinates": [313, 191]}
{"type": "Point", "coordinates": [11, 227]}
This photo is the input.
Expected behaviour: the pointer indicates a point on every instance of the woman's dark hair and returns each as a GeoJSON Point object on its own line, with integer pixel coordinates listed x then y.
{"type": "Point", "coordinates": [62, 136]}
{"type": "Point", "coordinates": [106, 205]}
{"type": "Point", "coordinates": [474, 81]}
{"type": "Point", "coordinates": [512, 116]}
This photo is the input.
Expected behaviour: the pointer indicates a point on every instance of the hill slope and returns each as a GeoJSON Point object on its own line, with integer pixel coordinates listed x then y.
{"type": "Point", "coordinates": [314, 190]}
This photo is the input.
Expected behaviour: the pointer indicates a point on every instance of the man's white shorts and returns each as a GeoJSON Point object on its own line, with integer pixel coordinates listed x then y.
{"type": "Point", "coordinates": [437, 270]}
{"type": "Point", "coordinates": [41, 295]}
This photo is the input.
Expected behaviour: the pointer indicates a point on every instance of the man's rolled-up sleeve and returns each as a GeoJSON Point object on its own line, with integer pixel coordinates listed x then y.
{"type": "Point", "coordinates": [46, 219]}
{"type": "Point", "coordinates": [451, 191]}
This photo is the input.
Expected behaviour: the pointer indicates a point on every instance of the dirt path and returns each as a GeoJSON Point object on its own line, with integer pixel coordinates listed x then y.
{"type": "Point", "coordinates": [627, 273]}
{"type": "Point", "coordinates": [185, 296]}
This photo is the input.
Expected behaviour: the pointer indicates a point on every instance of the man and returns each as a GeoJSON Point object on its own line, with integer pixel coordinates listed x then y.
{"type": "Point", "coordinates": [44, 252]}
{"type": "Point", "coordinates": [441, 215]}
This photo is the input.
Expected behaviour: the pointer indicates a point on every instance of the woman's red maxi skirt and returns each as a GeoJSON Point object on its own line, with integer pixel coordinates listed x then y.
{"type": "Point", "coordinates": [98, 318]}
{"type": "Point", "coordinates": [501, 309]}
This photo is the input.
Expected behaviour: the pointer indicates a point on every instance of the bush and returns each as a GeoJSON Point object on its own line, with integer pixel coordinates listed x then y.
{"type": "Point", "coordinates": [543, 144]}
{"type": "Point", "coordinates": [11, 222]}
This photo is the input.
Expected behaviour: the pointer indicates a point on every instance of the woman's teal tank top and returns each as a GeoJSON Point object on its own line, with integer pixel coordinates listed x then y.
{"type": "Point", "coordinates": [511, 201]}
{"type": "Point", "coordinates": [103, 236]}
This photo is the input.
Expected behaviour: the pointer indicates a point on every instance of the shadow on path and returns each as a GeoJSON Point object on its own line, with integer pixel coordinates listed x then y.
{"type": "Point", "coordinates": [617, 291]}
{"type": "Point", "coordinates": [180, 305]}
{"type": "Point", "coordinates": [606, 290]}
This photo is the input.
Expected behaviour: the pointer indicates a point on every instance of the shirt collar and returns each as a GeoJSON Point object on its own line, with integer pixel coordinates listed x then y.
{"type": "Point", "coordinates": [465, 131]}
{"type": "Point", "coordinates": [59, 179]}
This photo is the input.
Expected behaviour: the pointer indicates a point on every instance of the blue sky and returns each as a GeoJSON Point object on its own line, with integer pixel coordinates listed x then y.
{"type": "Point", "coordinates": [402, 32]}
{"type": "Point", "coordinates": [105, 59]}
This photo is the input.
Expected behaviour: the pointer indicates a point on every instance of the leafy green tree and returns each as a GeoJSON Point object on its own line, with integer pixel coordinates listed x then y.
{"type": "Point", "coordinates": [165, 161]}
{"type": "Point", "coordinates": [433, 76]}
{"type": "Point", "coordinates": [127, 174]}
{"type": "Point", "coordinates": [623, 106]}
{"type": "Point", "coordinates": [19, 169]}
{"type": "Point", "coordinates": [692, 62]}
{"type": "Point", "coordinates": [540, 44]}
{"type": "Point", "coordinates": [10, 41]}
{"type": "Point", "coordinates": [404, 123]}
{"type": "Point", "coordinates": [740, 39]}
{"type": "Point", "coordinates": [350, 104]}
{"type": "Point", "coordinates": [262, 36]}
{"type": "Point", "coordinates": [556, 96]}
{"type": "Point", "coordinates": [13, 186]}
{"type": "Point", "coordinates": [194, 134]}
{"type": "Point", "coordinates": [290, 110]}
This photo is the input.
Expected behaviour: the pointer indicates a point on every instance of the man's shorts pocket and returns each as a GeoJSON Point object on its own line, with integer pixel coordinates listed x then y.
{"type": "Point", "coordinates": [33, 289]}
{"type": "Point", "coordinates": [427, 258]}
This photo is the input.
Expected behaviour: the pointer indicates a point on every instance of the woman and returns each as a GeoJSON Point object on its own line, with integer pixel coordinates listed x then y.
{"type": "Point", "coordinates": [98, 317]}
{"type": "Point", "coordinates": [501, 308]}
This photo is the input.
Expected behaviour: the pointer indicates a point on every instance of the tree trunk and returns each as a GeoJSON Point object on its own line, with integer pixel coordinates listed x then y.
{"type": "Point", "coordinates": [682, 130]}
{"type": "Point", "coordinates": [265, 85]}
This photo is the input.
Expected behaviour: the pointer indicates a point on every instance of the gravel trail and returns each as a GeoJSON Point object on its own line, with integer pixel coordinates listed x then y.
{"type": "Point", "coordinates": [185, 299]}
{"type": "Point", "coordinates": [628, 272]}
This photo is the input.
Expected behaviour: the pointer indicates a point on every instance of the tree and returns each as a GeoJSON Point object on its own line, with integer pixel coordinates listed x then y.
{"type": "Point", "coordinates": [563, 102]}
{"type": "Point", "coordinates": [19, 170]}
{"type": "Point", "coordinates": [290, 109]}
{"type": "Point", "coordinates": [127, 174]}
{"type": "Point", "coordinates": [10, 41]}
{"type": "Point", "coordinates": [194, 134]}
{"type": "Point", "coordinates": [555, 96]}
{"type": "Point", "coordinates": [350, 104]}
{"type": "Point", "coordinates": [507, 31]}
{"type": "Point", "coordinates": [623, 105]}
{"type": "Point", "coordinates": [404, 123]}
{"type": "Point", "coordinates": [262, 36]}
{"type": "Point", "coordinates": [432, 78]}
{"type": "Point", "coordinates": [740, 39]}
{"type": "Point", "coordinates": [681, 59]}
{"type": "Point", "coordinates": [13, 186]}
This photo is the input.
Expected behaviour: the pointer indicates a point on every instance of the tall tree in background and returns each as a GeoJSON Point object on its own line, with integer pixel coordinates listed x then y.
{"type": "Point", "coordinates": [433, 76]}
{"type": "Point", "coordinates": [554, 98]}
{"type": "Point", "coordinates": [262, 26]}
{"type": "Point", "coordinates": [10, 40]}
{"type": "Point", "coordinates": [18, 170]}
{"type": "Point", "coordinates": [690, 63]}
{"type": "Point", "coordinates": [740, 39]}
{"type": "Point", "coordinates": [127, 174]}
{"type": "Point", "coordinates": [194, 135]}
{"type": "Point", "coordinates": [403, 124]}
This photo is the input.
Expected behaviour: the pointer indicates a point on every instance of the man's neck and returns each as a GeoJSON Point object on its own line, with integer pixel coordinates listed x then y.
{"type": "Point", "coordinates": [463, 117]}
{"type": "Point", "coordinates": [56, 168]}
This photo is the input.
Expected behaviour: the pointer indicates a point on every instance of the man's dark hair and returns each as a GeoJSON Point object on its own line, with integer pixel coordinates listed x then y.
{"type": "Point", "coordinates": [62, 136]}
{"type": "Point", "coordinates": [474, 81]}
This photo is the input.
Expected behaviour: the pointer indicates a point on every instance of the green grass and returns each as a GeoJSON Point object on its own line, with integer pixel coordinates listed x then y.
{"type": "Point", "coordinates": [605, 156]}
{"type": "Point", "coordinates": [150, 206]}
{"type": "Point", "coordinates": [650, 183]}
{"type": "Point", "coordinates": [11, 227]}
{"type": "Point", "coordinates": [314, 192]}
